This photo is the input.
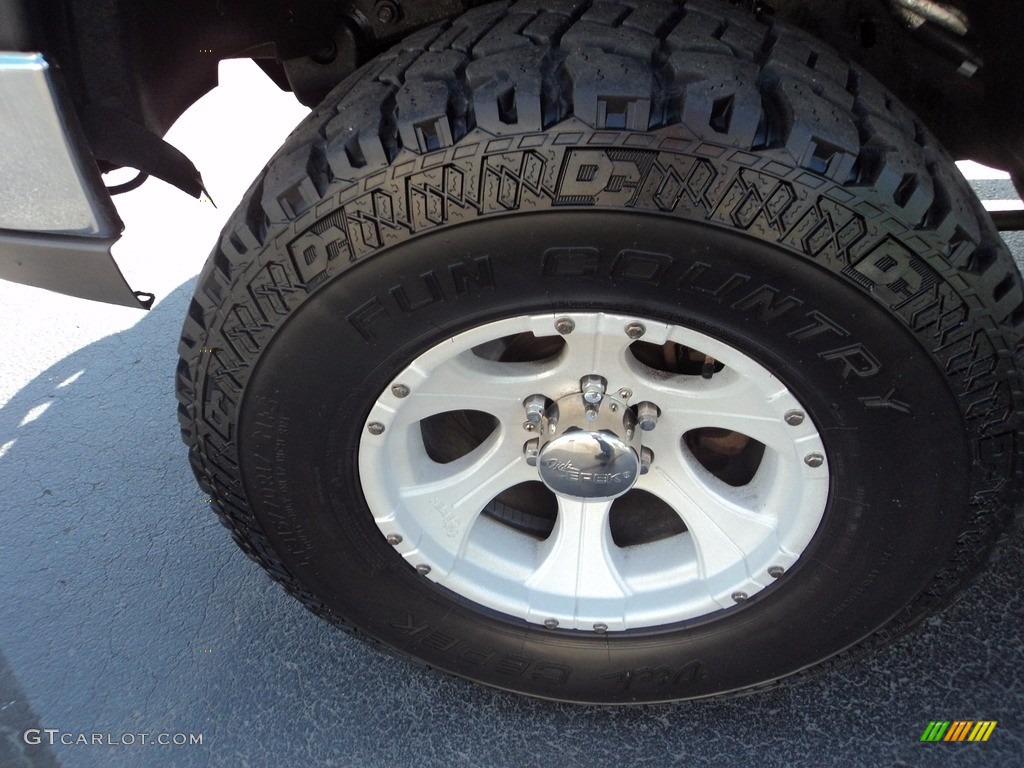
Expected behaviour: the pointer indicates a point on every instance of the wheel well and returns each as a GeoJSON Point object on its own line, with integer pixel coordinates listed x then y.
{"type": "Point", "coordinates": [151, 61]}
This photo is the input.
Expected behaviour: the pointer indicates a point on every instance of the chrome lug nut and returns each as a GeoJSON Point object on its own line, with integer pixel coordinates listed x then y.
{"type": "Point", "coordinates": [646, 459]}
{"type": "Point", "coordinates": [593, 387]}
{"type": "Point", "coordinates": [375, 428]}
{"type": "Point", "coordinates": [535, 406]}
{"type": "Point", "coordinates": [647, 416]}
{"type": "Point", "coordinates": [794, 418]}
{"type": "Point", "coordinates": [531, 449]}
{"type": "Point", "coordinates": [814, 460]}
{"type": "Point", "coordinates": [400, 390]}
{"type": "Point", "coordinates": [565, 325]}
{"type": "Point", "coordinates": [635, 330]}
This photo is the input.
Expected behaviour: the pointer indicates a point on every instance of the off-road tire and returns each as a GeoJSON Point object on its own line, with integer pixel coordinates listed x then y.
{"type": "Point", "coordinates": [760, 145]}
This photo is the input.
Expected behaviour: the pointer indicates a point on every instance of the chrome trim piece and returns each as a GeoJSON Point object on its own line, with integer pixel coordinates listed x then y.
{"type": "Point", "coordinates": [44, 186]}
{"type": "Point", "coordinates": [57, 222]}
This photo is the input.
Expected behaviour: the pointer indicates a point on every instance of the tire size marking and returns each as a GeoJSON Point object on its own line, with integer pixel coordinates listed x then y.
{"type": "Point", "coordinates": [509, 664]}
{"type": "Point", "coordinates": [270, 479]}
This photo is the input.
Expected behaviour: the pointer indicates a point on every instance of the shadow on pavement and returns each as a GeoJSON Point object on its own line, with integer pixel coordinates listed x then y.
{"type": "Point", "coordinates": [127, 609]}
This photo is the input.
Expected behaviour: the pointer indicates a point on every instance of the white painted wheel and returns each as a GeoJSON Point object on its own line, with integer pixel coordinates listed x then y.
{"type": "Point", "coordinates": [735, 491]}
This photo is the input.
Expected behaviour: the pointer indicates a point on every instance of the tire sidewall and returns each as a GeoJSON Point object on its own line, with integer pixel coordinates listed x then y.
{"type": "Point", "coordinates": [892, 430]}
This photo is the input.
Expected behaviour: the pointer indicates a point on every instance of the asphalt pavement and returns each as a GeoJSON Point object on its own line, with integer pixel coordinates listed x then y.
{"type": "Point", "coordinates": [127, 615]}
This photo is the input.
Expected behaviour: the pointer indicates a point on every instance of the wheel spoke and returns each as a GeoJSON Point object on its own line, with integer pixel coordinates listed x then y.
{"type": "Point", "coordinates": [732, 402]}
{"type": "Point", "coordinates": [468, 382]}
{"type": "Point", "coordinates": [724, 531]}
{"type": "Point", "coordinates": [447, 498]}
{"type": "Point", "coordinates": [599, 344]}
{"type": "Point", "coordinates": [577, 563]}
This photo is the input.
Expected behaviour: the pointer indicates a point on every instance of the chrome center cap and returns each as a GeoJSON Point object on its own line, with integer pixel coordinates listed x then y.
{"type": "Point", "coordinates": [588, 465]}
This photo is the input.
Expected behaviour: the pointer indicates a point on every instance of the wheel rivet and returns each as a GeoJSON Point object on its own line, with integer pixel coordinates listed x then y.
{"type": "Point", "coordinates": [600, 628]}
{"type": "Point", "coordinates": [375, 428]}
{"type": "Point", "coordinates": [400, 390]}
{"type": "Point", "coordinates": [565, 325]}
{"type": "Point", "coordinates": [775, 571]}
{"type": "Point", "coordinates": [625, 394]}
{"type": "Point", "coordinates": [529, 426]}
{"type": "Point", "coordinates": [739, 597]}
{"type": "Point", "coordinates": [814, 459]}
{"type": "Point", "coordinates": [394, 539]}
{"type": "Point", "coordinates": [422, 569]}
{"type": "Point", "coordinates": [635, 330]}
{"type": "Point", "coordinates": [550, 623]}
{"type": "Point", "coordinates": [794, 418]}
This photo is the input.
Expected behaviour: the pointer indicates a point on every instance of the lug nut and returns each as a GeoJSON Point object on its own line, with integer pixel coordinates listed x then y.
{"type": "Point", "coordinates": [565, 325]}
{"type": "Point", "coordinates": [394, 539]}
{"type": "Point", "coordinates": [535, 406]}
{"type": "Point", "coordinates": [635, 330]}
{"type": "Point", "coordinates": [646, 459]}
{"type": "Point", "coordinates": [794, 418]}
{"type": "Point", "coordinates": [387, 12]}
{"type": "Point", "coordinates": [375, 428]}
{"type": "Point", "coordinates": [814, 460]}
{"type": "Point", "coordinates": [550, 623]}
{"type": "Point", "coordinates": [647, 416]}
{"type": "Point", "coordinates": [708, 369]}
{"type": "Point", "coordinates": [775, 571]}
{"type": "Point", "coordinates": [593, 387]}
{"type": "Point", "coordinates": [400, 390]}
{"type": "Point", "coordinates": [531, 449]}
{"type": "Point", "coordinates": [423, 569]}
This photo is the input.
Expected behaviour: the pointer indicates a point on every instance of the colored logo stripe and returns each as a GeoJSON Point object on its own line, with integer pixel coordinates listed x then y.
{"type": "Point", "coordinates": [958, 730]}
{"type": "Point", "coordinates": [982, 730]}
{"type": "Point", "coordinates": [935, 731]}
